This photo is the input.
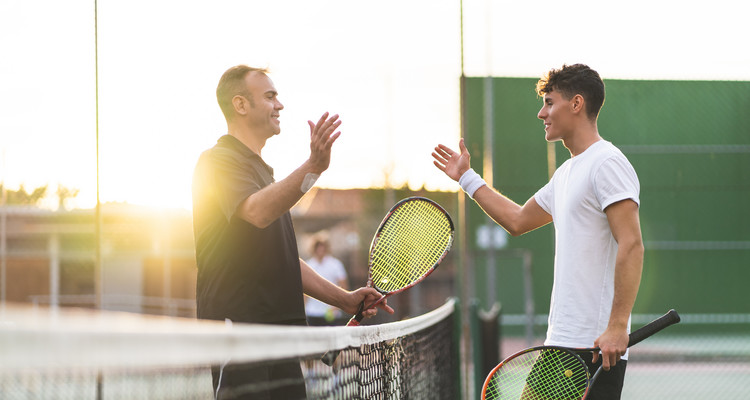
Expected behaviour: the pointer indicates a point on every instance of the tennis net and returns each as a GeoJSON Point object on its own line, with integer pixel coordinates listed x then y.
{"type": "Point", "coordinates": [83, 354]}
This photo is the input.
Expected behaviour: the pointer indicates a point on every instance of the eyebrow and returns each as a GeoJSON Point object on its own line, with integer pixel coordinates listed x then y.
{"type": "Point", "coordinates": [272, 92]}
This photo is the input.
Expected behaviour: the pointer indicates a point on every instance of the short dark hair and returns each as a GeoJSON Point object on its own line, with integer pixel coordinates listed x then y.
{"type": "Point", "coordinates": [571, 80]}
{"type": "Point", "coordinates": [232, 83]}
{"type": "Point", "coordinates": [320, 239]}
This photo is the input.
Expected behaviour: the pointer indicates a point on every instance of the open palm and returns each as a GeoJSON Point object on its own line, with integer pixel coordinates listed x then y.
{"type": "Point", "coordinates": [451, 163]}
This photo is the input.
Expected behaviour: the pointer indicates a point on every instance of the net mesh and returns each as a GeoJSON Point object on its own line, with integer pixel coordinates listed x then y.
{"type": "Point", "coordinates": [413, 239]}
{"type": "Point", "coordinates": [84, 355]}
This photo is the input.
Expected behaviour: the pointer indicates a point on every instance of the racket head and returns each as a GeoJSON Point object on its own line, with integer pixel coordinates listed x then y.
{"type": "Point", "coordinates": [409, 244]}
{"type": "Point", "coordinates": [542, 372]}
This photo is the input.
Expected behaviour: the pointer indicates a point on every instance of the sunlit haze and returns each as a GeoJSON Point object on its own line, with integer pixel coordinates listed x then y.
{"type": "Point", "coordinates": [389, 68]}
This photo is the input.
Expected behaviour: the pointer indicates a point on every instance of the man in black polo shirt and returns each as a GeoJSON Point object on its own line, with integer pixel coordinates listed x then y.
{"type": "Point", "coordinates": [249, 268]}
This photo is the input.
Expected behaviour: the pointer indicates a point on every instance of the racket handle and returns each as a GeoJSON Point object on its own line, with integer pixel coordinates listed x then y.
{"type": "Point", "coordinates": [656, 325]}
{"type": "Point", "coordinates": [358, 317]}
{"type": "Point", "coordinates": [330, 357]}
{"type": "Point", "coordinates": [591, 382]}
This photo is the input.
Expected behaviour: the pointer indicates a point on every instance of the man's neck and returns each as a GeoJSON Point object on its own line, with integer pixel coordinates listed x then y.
{"type": "Point", "coordinates": [246, 137]}
{"type": "Point", "coordinates": [582, 140]}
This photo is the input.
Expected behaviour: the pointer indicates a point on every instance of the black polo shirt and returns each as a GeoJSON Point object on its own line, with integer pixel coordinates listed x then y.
{"type": "Point", "coordinates": [245, 273]}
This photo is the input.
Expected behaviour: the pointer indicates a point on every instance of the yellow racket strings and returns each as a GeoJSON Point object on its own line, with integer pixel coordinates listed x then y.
{"type": "Point", "coordinates": [539, 374]}
{"type": "Point", "coordinates": [412, 241]}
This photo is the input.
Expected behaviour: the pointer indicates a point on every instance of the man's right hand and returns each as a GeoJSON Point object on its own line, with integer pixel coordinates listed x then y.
{"type": "Point", "coordinates": [451, 163]}
{"type": "Point", "coordinates": [322, 137]}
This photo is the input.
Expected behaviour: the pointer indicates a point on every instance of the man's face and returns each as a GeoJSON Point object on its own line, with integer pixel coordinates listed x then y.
{"type": "Point", "coordinates": [321, 250]}
{"type": "Point", "coordinates": [263, 114]}
{"type": "Point", "coordinates": [556, 113]}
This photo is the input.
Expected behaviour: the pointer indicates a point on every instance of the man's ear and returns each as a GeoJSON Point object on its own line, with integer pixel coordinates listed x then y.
{"type": "Point", "coordinates": [578, 103]}
{"type": "Point", "coordinates": [240, 104]}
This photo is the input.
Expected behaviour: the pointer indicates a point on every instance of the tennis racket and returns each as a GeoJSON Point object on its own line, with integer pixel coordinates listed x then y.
{"type": "Point", "coordinates": [409, 244]}
{"type": "Point", "coordinates": [553, 372]}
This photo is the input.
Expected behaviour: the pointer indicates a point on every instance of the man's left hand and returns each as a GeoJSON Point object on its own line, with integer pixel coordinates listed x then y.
{"type": "Point", "coordinates": [613, 344]}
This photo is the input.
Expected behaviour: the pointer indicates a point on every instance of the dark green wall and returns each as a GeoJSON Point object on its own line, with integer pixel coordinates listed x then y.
{"type": "Point", "coordinates": [689, 142]}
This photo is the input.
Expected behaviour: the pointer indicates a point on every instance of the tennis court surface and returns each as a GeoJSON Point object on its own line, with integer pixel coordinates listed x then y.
{"type": "Point", "coordinates": [694, 366]}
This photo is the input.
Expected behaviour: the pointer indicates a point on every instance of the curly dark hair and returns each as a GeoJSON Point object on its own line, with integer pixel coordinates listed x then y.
{"type": "Point", "coordinates": [571, 80]}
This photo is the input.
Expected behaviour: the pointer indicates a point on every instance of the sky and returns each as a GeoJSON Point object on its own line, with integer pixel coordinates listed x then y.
{"type": "Point", "coordinates": [390, 69]}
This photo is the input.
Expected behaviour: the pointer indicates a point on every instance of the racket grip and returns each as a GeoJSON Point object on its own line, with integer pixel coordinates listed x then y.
{"type": "Point", "coordinates": [358, 317]}
{"type": "Point", "coordinates": [330, 357]}
{"type": "Point", "coordinates": [662, 322]}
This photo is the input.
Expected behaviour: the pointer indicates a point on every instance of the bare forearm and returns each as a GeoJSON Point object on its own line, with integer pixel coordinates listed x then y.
{"type": "Point", "coordinates": [504, 211]}
{"type": "Point", "coordinates": [629, 264]}
{"type": "Point", "coordinates": [514, 218]}
{"type": "Point", "coordinates": [271, 202]}
{"type": "Point", "coordinates": [320, 288]}
{"type": "Point", "coordinates": [314, 285]}
{"type": "Point", "coordinates": [628, 270]}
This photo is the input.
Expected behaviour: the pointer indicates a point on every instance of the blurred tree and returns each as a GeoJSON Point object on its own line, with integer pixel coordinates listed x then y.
{"type": "Point", "coordinates": [35, 197]}
{"type": "Point", "coordinates": [63, 194]}
{"type": "Point", "coordinates": [22, 197]}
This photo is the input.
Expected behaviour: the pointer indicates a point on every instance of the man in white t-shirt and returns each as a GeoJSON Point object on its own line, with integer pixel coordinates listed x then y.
{"type": "Point", "coordinates": [593, 201]}
{"type": "Point", "coordinates": [329, 267]}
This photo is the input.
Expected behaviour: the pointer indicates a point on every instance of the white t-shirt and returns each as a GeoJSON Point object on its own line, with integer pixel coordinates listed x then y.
{"type": "Point", "coordinates": [585, 250]}
{"type": "Point", "coordinates": [331, 269]}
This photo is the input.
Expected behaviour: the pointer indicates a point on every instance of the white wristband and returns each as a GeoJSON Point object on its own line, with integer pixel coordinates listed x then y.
{"type": "Point", "coordinates": [470, 181]}
{"type": "Point", "coordinates": [308, 182]}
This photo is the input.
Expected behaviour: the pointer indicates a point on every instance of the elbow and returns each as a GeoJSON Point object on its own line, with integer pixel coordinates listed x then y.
{"type": "Point", "coordinates": [640, 249]}
{"type": "Point", "coordinates": [636, 249]}
{"type": "Point", "coordinates": [516, 227]}
{"type": "Point", "coordinates": [257, 219]}
{"type": "Point", "coordinates": [638, 245]}
{"type": "Point", "coordinates": [261, 224]}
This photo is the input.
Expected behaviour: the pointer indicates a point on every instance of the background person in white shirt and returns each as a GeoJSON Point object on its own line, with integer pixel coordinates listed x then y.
{"type": "Point", "coordinates": [593, 201]}
{"type": "Point", "coordinates": [331, 268]}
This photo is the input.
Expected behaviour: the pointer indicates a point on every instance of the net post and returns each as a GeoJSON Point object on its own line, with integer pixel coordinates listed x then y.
{"type": "Point", "coordinates": [485, 333]}
{"type": "Point", "coordinates": [490, 333]}
{"type": "Point", "coordinates": [475, 345]}
{"type": "Point", "coordinates": [456, 345]}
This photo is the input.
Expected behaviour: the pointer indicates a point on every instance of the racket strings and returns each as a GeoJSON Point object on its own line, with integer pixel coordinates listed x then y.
{"type": "Point", "coordinates": [539, 374]}
{"type": "Point", "coordinates": [412, 241]}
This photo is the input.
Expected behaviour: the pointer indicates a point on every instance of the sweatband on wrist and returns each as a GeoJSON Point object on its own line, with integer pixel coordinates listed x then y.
{"type": "Point", "coordinates": [470, 181]}
{"type": "Point", "coordinates": [308, 182]}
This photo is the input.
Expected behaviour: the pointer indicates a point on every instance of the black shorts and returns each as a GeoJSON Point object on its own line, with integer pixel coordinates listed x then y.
{"type": "Point", "coordinates": [282, 380]}
{"type": "Point", "coordinates": [608, 385]}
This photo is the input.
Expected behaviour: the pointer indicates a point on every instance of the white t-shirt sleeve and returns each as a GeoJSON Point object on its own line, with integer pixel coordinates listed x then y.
{"type": "Point", "coordinates": [616, 180]}
{"type": "Point", "coordinates": [544, 197]}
